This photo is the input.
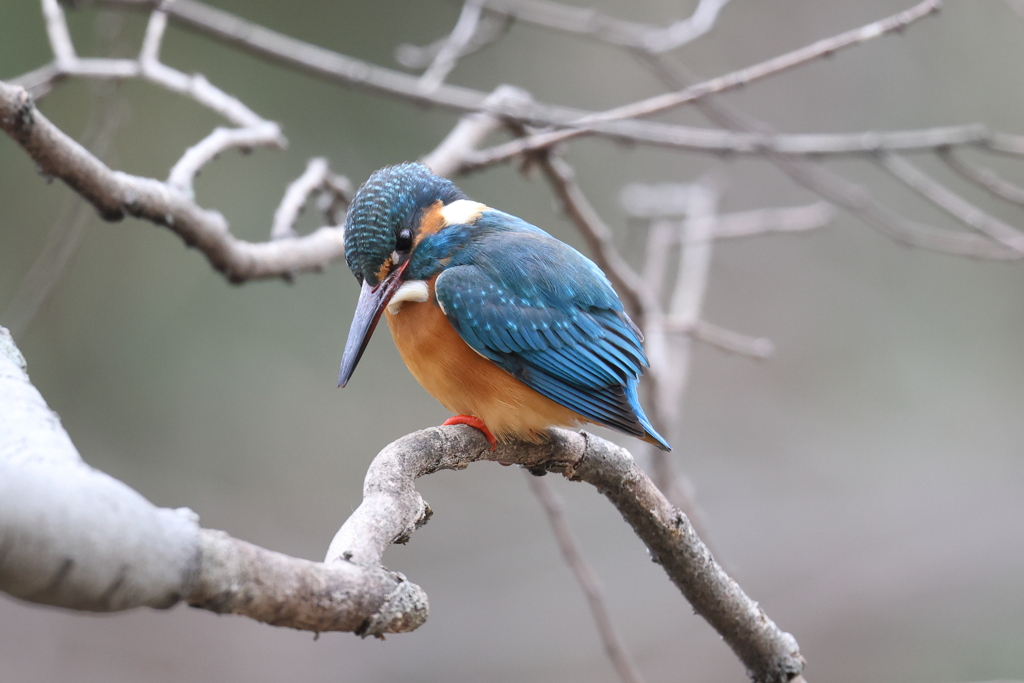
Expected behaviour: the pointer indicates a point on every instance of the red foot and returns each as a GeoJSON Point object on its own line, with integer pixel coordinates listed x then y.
{"type": "Point", "coordinates": [473, 422]}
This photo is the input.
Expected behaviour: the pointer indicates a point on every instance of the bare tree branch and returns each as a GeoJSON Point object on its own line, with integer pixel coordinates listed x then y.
{"type": "Point", "coordinates": [392, 509]}
{"type": "Point", "coordinates": [236, 577]}
{"type": "Point", "coordinates": [983, 177]}
{"type": "Point", "coordinates": [59, 35]}
{"type": "Point", "coordinates": [115, 194]}
{"type": "Point", "coordinates": [296, 196]}
{"type": "Point", "coordinates": [773, 221]}
{"type": "Point", "coordinates": [592, 23]}
{"type": "Point", "coordinates": [687, 299]}
{"type": "Point", "coordinates": [854, 198]}
{"type": "Point", "coordinates": [588, 581]}
{"type": "Point", "coordinates": [117, 551]}
{"type": "Point", "coordinates": [470, 131]}
{"type": "Point", "coordinates": [74, 537]}
{"type": "Point", "coordinates": [491, 28]}
{"type": "Point", "coordinates": [661, 103]}
{"type": "Point", "coordinates": [183, 173]}
{"type": "Point", "coordinates": [147, 66]}
{"type": "Point", "coordinates": [350, 71]}
{"type": "Point", "coordinates": [152, 41]}
{"type": "Point", "coordinates": [461, 35]}
{"type": "Point", "coordinates": [952, 203]}
{"type": "Point", "coordinates": [662, 235]}
{"type": "Point", "coordinates": [727, 340]}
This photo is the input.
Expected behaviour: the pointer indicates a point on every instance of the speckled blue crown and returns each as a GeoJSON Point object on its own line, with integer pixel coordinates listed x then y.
{"type": "Point", "coordinates": [391, 199]}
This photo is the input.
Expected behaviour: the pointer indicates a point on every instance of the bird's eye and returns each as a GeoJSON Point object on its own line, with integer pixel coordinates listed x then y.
{"type": "Point", "coordinates": [404, 242]}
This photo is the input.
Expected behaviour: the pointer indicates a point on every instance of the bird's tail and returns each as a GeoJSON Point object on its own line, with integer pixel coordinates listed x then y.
{"type": "Point", "coordinates": [651, 435]}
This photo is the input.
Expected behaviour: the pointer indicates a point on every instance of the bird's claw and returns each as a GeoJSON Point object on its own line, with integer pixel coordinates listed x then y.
{"type": "Point", "coordinates": [473, 421]}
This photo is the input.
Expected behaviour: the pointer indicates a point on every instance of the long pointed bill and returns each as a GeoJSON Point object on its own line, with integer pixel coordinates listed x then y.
{"type": "Point", "coordinates": [372, 301]}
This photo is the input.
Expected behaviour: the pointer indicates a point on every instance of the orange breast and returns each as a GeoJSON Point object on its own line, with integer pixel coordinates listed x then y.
{"type": "Point", "coordinates": [465, 382]}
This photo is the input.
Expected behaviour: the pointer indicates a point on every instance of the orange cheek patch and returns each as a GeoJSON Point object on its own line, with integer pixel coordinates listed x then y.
{"type": "Point", "coordinates": [431, 222]}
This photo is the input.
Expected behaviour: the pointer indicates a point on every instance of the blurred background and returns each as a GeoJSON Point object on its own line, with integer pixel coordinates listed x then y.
{"type": "Point", "coordinates": [864, 483]}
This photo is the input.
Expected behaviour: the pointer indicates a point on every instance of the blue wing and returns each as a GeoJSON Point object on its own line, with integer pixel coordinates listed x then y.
{"type": "Point", "coordinates": [543, 312]}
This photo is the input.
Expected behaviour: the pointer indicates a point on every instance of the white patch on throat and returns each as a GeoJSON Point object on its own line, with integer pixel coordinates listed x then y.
{"type": "Point", "coordinates": [416, 291]}
{"type": "Point", "coordinates": [462, 212]}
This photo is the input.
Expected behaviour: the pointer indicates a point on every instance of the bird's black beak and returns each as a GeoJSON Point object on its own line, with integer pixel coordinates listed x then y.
{"type": "Point", "coordinates": [372, 301]}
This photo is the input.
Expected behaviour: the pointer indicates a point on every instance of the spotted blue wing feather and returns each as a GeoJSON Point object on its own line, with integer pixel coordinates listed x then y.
{"type": "Point", "coordinates": [543, 312]}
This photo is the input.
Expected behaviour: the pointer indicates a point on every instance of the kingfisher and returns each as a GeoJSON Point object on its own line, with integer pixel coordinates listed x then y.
{"type": "Point", "coordinates": [508, 327]}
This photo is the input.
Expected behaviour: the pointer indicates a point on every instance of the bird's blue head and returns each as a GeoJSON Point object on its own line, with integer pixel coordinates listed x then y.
{"type": "Point", "coordinates": [386, 215]}
{"type": "Point", "coordinates": [394, 210]}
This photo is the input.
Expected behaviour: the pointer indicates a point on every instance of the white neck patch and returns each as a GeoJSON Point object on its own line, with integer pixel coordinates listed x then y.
{"type": "Point", "coordinates": [415, 291]}
{"type": "Point", "coordinates": [462, 212]}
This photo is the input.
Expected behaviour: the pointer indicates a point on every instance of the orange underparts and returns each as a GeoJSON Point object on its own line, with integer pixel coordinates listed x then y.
{"type": "Point", "coordinates": [473, 422]}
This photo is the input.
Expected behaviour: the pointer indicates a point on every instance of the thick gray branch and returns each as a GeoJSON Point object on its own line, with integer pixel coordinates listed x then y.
{"type": "Point", "coordinates": [241, 578]}
{"type": "Point", "coordinates": [392, 509]}
{"type": "Point", "coordinates": [74, 537]}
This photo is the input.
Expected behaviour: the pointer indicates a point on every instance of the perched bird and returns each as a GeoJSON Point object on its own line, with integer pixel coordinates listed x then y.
{"type": "Point", "coordinates": [502, 323]}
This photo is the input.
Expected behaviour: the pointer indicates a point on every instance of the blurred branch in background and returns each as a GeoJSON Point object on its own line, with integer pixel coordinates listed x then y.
{"type": "Point", "coordinates": [585, 577]}
{"type": "Point", "coordinates": [665, 294]}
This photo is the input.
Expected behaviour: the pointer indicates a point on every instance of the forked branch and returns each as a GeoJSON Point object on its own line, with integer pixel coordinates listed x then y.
{"type": "Point", "coordinates": [116, 194]}
{"type": "Point", "coordinates": [392, 509]}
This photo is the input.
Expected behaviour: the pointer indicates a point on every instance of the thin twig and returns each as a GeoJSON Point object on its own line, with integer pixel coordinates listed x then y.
{"type": "Point", "coordinates": [296, 196]}
{"type": "Point", "coordinates": [491, 28]}
{"type": "Point", "coordinates": [724, 339]}
{"type": "Point", "coordinates": [334, 198]}
{"type": "Point", "coordinates": [264, 134]}
{"type": "Point", "coordinates": [661, 237]}
{"type": "Point", "coordinates": [836, 189]}
{"type": "Point", "coordinates": [341, 68]}
{"type": "Point", "coordinates": [594, 24]}
{"type": "Point", "coordinates": [773, 221]}
{"type": "Point", "coordinates": [587, 580]}
{"type": "Point", "coordinates": [445, 59]}
{"type": "Point", "coordinates": [153, 39]}
{"type": "Point", "coordinates": [471, 129]}
{"type": "Point", "coordinates": [687, 299]}
{"type": "Point", "coordinates": [58, 34]}
{"type": "Point", "coordinates": [952, 203]}
{"type": "Point", "coordinates": [660, 103]}
{"type": "Point", "coordinates": [983, 177]}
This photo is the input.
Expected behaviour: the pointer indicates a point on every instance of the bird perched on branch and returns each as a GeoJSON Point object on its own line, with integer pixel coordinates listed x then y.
{"type": "Point", "coordinates": [502, 323]}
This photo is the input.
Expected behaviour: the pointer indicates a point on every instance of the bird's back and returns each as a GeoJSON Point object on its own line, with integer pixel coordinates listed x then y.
{"type": "Point", "coordinates": [547, 315]}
